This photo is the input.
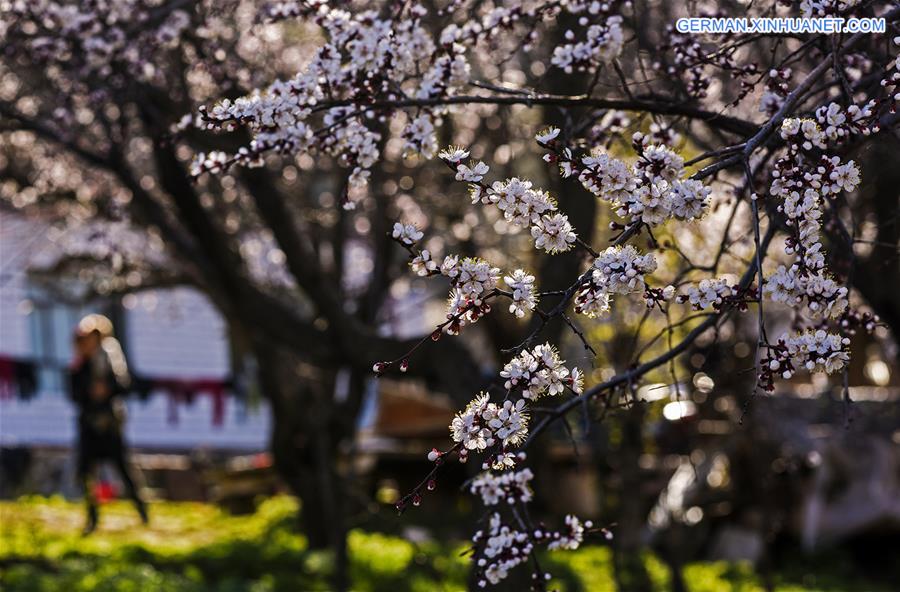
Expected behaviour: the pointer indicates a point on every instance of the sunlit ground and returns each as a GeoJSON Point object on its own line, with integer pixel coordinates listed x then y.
{"type": "Point", "coordinates": [197, 547]}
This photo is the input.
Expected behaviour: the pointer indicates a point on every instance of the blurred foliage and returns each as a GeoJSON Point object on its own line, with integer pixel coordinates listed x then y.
{"type": "Point", "coordinates": [194, 547]}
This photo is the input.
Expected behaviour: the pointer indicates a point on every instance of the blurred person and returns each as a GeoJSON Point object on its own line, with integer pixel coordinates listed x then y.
{"type": "Point", "coordinates": [99, 377]}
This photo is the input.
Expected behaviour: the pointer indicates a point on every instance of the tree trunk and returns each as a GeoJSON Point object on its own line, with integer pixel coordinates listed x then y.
{"type": "Point", "coordinates": [305, 446]}
{"type": "Point", "coordinates": [677, 575]}
{"type": "Point", "coordinates": [630, 573]}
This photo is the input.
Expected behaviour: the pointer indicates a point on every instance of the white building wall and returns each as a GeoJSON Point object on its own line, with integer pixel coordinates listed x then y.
{"type": "Point", "coordinates": [17, 241]}
{"type": "Point", "coordinates": [182, 318]}
{"type": "Point", "coordinates": [172, 334]}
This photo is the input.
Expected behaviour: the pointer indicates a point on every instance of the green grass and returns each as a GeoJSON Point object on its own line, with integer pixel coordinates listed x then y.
{"type": "Point", "coordinates": [192, 547]}
{"type": "Point", "coordinates": [197, 547]}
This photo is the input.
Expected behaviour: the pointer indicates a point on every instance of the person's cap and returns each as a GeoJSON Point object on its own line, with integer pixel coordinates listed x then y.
{"type": "Point", "coordinates": [92, 323]}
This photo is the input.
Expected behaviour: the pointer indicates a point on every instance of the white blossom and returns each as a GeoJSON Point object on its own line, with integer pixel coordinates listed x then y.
{"type": "Point", "coordinates": [537, 373]}
{"type": "Point", "coordinates": [524, 296]}
{"type": "Point", "coordinates": [603, 42]}
{"type": "Point", "coordinates": [845, 176]}
{"type": "Point", "coordinates": [553, 233]}
{"type": "Point", "coordinates": [651, 191]}
{"type": "Point", "coordinates": [484, 424]}
{"type": "Point", "coordinates": [572, 538]}
{"type": "Point", "coordinates": [519, 203]}
{"type": "Point", "coordinates": [622, 269]}
{"type": "Point", "coordinates": [474, 276]}
{"type": "Point", "coordinates": [422, 264]}
{"type": "Point", "coordinates": [710, 292]}
{"type": "Point", "coordinates": [817, 350]}
{"type": "Point", "coordinates": [687, 199]}
{"type": "Point", "coordinates": [509, 486]}
{"type": "Point", "coordinates": [420, 136]}
{"type": "Point", "coordinates": [504, 549]}
{"type": "Point", "coordinates": [821, 295]}
{"type": "Point", "coordinates": [576, 377]}
{"type": "Point", "coordinates": [407, 234]}
{"type": "Point", "coordinates": [468, 427]}
{"type": "Point", "coordinates": [471, 175]}
{"type": "Point", "coordinates": [454, 155]}
{"type": "Point", "coordinates": [593, 299]}
{"type": "Point", "coordinates": [547, 135]}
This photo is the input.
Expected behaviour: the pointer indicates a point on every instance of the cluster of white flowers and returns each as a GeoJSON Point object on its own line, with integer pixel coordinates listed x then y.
{"type": "Point", "coordinates": [419, 136]}
{"type": "Point", "coordinates": [473, 280]}
{"type": "Point", "coordinates": [540, 372]}
{"type": "Point", "coordinates": [806, 179]}
{"type": "Point", "coordinates": [447, 72]}
{"type": "Point", "coordinates": [364, 53]}
{"type": "Point", "coordinates": [814, 350]}
{"type": "Point", "coordinates": [891, 82]}
{"type": "Point", "coordinates": [521, 204]}
{"type": "Point", "coordinates": [592, 299]}
{"type": "Point", "coordinates": [659, 163]}
{"type": "Point", "coordinates": [708, 292]}
{"type": "Point", "coordinates": [215, 161]}
{"type": "Point", "coordinates": [839, 123]}
{"type": "Point", "coordinates": [572, 538]}
{"type": "Point", "coordinates": [602, 43]}
{"type": "Point", "coordinates": [687, 199]}
{"type": "Point", "coordinates": [606, 177]}
{"type": "Point", "coordinates": [474, 277]}
{"type": "Point", "coordinates": [276, 10]}
{"type": "Point", "coordinates": [462, 311]}
{"type": "Point", "coordinates": [803, 181]}
{"type": "Point", "coordinates": [804, 212]}
{"type": "Point", "coordinates": [86, 41]}
{"type": "Point", "coordinates": [618, 270]}
{"type": "Point", "coordinates": [509, 486]}
{"type": "Point", "coordinates": [820, 8]}
{"type": "Point", "coordinates": [823, 296]}
{"type": "Point", "coordinates": [553, 234]}
{"type": "Point", "coordinates": [407, 234]}
{"type": "Point", "coordinates": [622, 269]}
{"type": "Point", "coordinates": [524, 296]}
{"type": "Point", "coordinates": [651, 191]}
{"type": "Point", "coordinates": [503, 549]}
{"type": "Point", "coordinates": [483, 424]}
{"type": "Point", "coordinates": [804, 132]}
